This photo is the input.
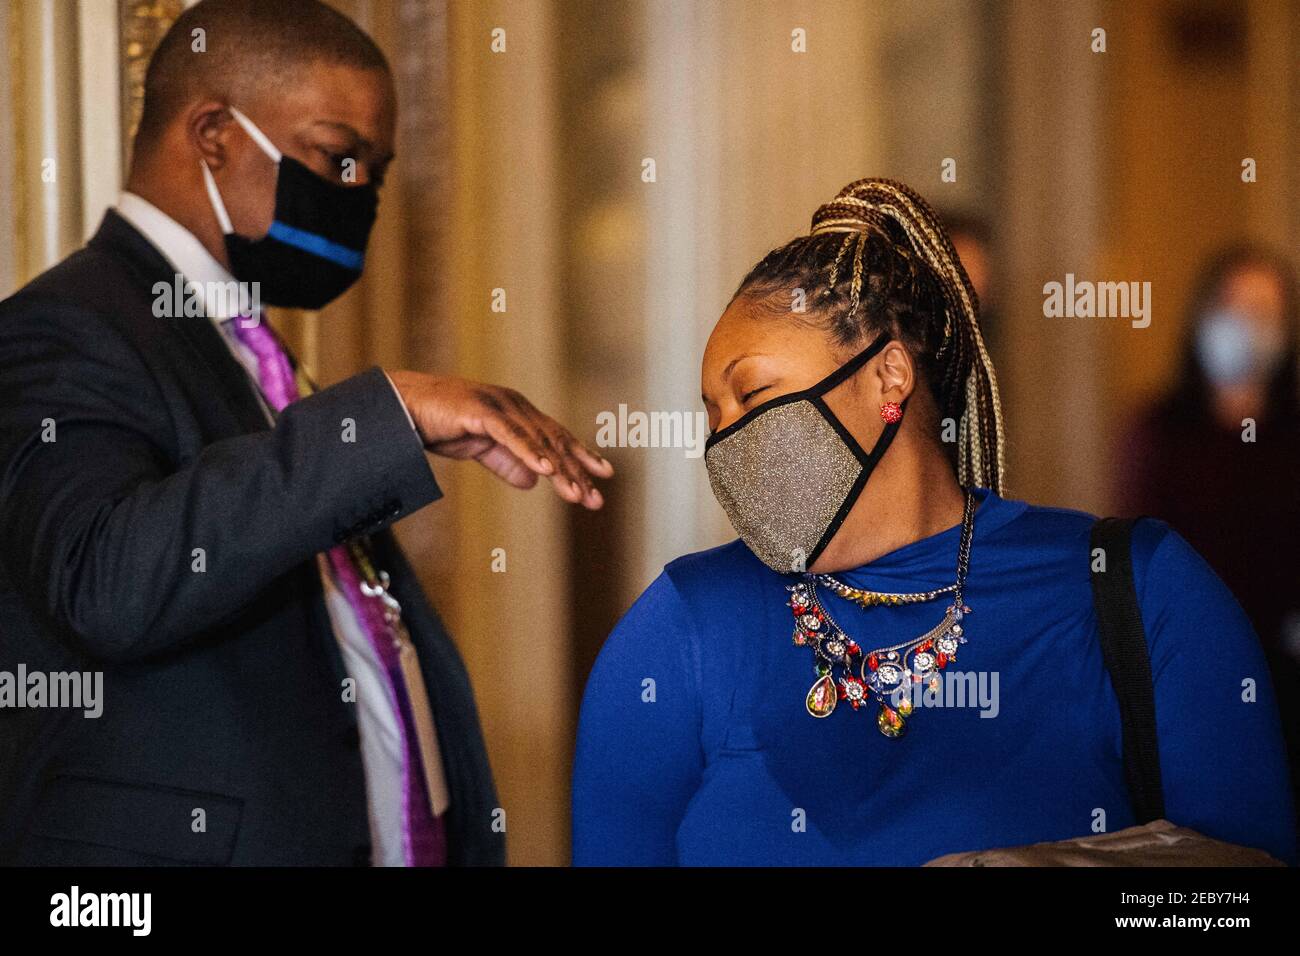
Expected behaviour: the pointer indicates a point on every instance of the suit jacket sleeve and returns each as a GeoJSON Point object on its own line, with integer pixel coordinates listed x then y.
{"type": "Point", "coordinates": [129, 546]}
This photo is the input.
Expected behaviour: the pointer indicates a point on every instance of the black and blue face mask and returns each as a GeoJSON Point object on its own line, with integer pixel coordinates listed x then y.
{"type": "Point", "coordinates": [316, 246]}
{"type": "Point", "coordinates": [788, 472]}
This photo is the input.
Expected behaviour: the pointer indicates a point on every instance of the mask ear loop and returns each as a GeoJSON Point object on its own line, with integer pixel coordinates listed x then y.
{"type": "Point", "coordinates": [218, 207]}
{"type": "Point", "coordinates": [868, 461]}
{"type": "Point", "coordinates": [256, 135]}
{"type": "Point", "coordinates": [852, 366]}
{"type": "Point", "coordinates": [817, 395]}
{"type": "Point", "coordinates": [214, 196]}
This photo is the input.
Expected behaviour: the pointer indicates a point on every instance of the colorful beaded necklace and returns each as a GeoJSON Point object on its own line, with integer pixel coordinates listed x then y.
{"type": "Point", "coordinates": [887, 672]}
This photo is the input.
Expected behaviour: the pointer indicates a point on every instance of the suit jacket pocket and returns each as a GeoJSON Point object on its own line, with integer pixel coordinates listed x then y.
{"type": "Point", "coordinates": [139, 818]}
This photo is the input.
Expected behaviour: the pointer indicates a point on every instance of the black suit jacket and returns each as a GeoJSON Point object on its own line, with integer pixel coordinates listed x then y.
{"type": "Point", "coordinates": [222, 687]}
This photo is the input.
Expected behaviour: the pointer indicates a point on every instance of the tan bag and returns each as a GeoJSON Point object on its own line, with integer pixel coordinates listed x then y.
{"type": "Point", "coordinates": [1158, 843]}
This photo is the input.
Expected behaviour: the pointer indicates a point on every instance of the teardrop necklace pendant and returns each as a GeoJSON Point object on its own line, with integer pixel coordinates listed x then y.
{"type": "Point", "coordinates": [889, 721]}
{"type": "Point", "coordinates": [822, 697]}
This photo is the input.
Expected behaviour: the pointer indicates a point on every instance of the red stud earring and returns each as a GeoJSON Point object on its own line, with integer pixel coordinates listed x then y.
{"type": "Point", "coordinates": [891, 412]}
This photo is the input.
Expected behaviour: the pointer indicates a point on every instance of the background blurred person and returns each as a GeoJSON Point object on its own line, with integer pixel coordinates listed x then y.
{"type": "Point", "coordinates": [1218, 457]}
{"type": "Point", "coordinates": [973, 240]}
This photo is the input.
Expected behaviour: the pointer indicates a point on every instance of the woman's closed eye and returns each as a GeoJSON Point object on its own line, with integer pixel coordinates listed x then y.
{"type": "Point", "coordinates": [744, 399]}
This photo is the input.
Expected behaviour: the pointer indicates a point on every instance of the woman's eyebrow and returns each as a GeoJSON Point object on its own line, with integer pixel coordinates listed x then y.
{"type": "Point", "coordinates": [726, 372]}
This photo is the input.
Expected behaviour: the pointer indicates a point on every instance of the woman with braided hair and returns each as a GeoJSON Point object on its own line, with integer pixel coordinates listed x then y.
{"type": "Point", "coordinates": [895, 661]}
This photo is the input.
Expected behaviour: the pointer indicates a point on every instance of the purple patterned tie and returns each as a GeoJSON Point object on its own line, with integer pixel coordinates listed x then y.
{"type": "Point", "coordinates": [424, 834]}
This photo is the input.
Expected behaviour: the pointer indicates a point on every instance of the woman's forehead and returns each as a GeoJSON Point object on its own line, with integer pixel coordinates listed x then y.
{"type": "Point", "coordinates": [741, 329]}
{"type": "Point", "coordinates": [747, 329]}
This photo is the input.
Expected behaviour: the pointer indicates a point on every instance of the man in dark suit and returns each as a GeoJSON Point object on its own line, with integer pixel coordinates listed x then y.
{"type": "Point", "coordinates": [178, 513]}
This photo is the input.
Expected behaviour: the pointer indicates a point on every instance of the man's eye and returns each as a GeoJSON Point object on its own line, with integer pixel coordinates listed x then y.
{"type": "Point", "coordinates": [340, 162]}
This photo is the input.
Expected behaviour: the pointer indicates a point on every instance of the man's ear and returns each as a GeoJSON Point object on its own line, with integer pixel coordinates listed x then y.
{"type": "Point", "coordinates": [209, 126]}
{"type": "Point", "coordinates": [895, 372]}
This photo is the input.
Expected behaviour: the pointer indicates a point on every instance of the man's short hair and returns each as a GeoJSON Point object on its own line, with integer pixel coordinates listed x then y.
{"type": "Point", "coordinates": [248, 47]}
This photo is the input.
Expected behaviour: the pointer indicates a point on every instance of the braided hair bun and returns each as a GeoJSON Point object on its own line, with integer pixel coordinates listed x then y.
{"type": "Point", "coordinates": [878, 259]}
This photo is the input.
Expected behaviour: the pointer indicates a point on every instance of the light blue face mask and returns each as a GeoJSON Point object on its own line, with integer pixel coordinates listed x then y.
{"type": "Point", "coordinates": [1232, 350]}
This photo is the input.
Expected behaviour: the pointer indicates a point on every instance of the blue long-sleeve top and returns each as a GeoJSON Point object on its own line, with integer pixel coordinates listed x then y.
{"type": "Point", "coordinates": [695, 746]}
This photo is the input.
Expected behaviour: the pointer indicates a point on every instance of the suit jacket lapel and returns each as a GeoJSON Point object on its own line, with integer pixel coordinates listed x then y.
{"type": "Point", "coordinates": [216, 370]}
{"type": "Point", "coordinates": [229, 377]}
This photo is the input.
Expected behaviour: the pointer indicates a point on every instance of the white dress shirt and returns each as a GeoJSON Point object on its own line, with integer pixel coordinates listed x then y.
{"type": "Point", "coordinates": [381, 737]}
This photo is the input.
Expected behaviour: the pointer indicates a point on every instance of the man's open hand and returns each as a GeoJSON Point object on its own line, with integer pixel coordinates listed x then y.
{"type": "Point", "coordinates": [502, 431]}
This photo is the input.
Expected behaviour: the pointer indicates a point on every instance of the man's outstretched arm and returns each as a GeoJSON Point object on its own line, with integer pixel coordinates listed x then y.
{"type": "Point", "coordinates": [129, 550]}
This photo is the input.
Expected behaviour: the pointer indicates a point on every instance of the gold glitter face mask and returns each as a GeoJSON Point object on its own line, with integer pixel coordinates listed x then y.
{"type": "Point", "coordinates": [787, 473]}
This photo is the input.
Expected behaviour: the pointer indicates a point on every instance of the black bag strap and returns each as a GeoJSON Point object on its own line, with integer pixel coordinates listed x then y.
{"type": "Point", "coordinates": [1124, 647]}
